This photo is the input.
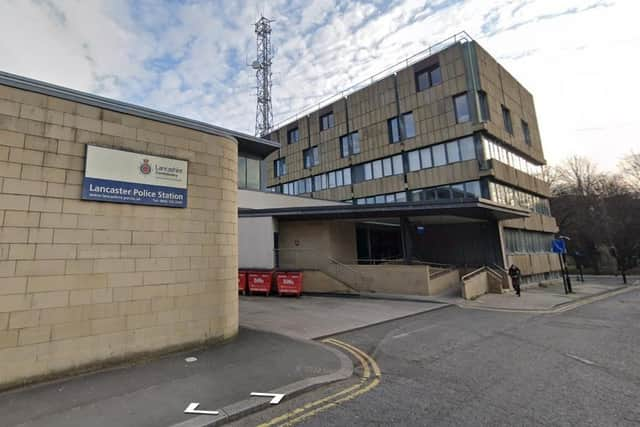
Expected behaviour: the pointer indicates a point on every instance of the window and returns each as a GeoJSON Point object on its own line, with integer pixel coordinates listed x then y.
{"type": "Point", "coordinates": [461, 107]}
{"type": "Point", "coordinates": [453, 154]}
{"type": "Point", "coordinates": [414, 160]}
{"type": "Point", "coordinates": [387, 167]}
{"type": "Point", "coordinates": [526, 132]}
{"type": "Point", "coordinates": [427, 78]}
{"type": "Point", "coordinates": [339, 181]}
{"type": "Point", "coordinates": [443, 193]}
{"type": "Point", "coordinates": [368, 174]}
{"type": "Point", "coordinates": [472, 189]}
{"type": "Point", "coordinates": [242, 172]}
{"type": "Point", "coordinates": [293, 135]}
{"type": "Point", "coordinates": [506, 117]}
{"type": "Point", "coordinates": [394, 130]}
{"type": "Point", "coordinates": [398, 168]}
{"type": "Point", "coordinates": [350, 144]}
{"type": "Point", "coordinates": [439, 155]}
{"type": "Point", "coordinates": [377, 169]}
{"type": "Point", "coordinates": [317, 183]}
{"type": "Point", "coordinates": [311, 157]}
{"type": "Point", "coordinates": [327, 121]}
{"type": "Point", "coordinates": [425, 157]}
{"type": "Point", "coordinates": [467, 148]}
{"type": "Point", "coordinates": [458, 191]}
{"type": "Point", "coordinates": [279, 167]}
{"type": "Point", "coordinates": [347, 176]}
{"type": "Point", "coordinates": [484, 106]}
{"type": "Point", "coordinates": [401, 197]}
{"type": "Point", "coordinates": [409, 125]}
{"type": "Point", "coordinates": [332, 179]}
{"type": "Point", "coordinates": [253, 174]}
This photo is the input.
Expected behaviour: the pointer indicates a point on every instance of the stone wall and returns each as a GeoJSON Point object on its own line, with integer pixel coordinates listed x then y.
{"type": "Point", "coordinates": [83, 283]}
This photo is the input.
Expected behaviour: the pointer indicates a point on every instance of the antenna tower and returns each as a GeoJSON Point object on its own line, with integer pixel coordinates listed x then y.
{"type": "Point", "coordinates": [262, 65]}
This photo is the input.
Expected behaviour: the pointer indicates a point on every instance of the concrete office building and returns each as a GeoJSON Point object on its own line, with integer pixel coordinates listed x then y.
{"type": "Point", "coordinates": [444, 153]}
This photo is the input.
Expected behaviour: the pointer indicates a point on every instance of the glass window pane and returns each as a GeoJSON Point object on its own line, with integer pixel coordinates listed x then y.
{"type": "Point", "coordinates": [467, 148]}
{"type": "Point", "coordinates": [242, 172]}
{"type": "Point", "coordinates": [439, 156]}
{"type": "Point", "coordinates": [409, 125]}
{"type": "Point", "coordinates": [308, 184]}
{"type": "Point", "coordinates": [339, 181]}
{"type": "Point", "coordinates": [387, 167]}
{"type": "Point", "coordinates": [414, 160]}
{"type": "Point", "coordinates": [458, 191]}
{"type": "Point", "coordinates": [430, 194]}
{"type": "Point", "coordinates": [436, 76]}
{"type": "Point", "coordinates": [344, 146]}
{"type": "Point", "coordinates": [390, 198]}
{"type": "Point", "coordinates": [368, 175]}
{"type": "Point", "coordinates": [472, 188]}
{"type": "Point", "coordinates": [332, 179]}
{"type": "Point", "coordinates": [462, 108]}
{"type": "Point", "coordinates": [370, 200]}
{"type": "Point", "coordinates": [394, 131]}
{"type": "Point", "coordinates": [425, 158]}
{"type": "Point", "coordinates": [346, 173]}
{"type": "Point", "coordinates": [443, 193]}
{"type": "Point", "coordinates": [422, 80]}
{"type": "Point", "coordinates": [357, 173]}
{"type": "Point", "coordinates": [360, 201]}
{"type": "Point", "coordinates": [324, 181]}
{"type": "Point", "coordinates": [453, 154]}
{"type": "Point", "coordinates": [355, 143]}
{"type": "Point", "coordinates": [398, 168]}
{"type": "Point", "coordinates": [377, 169]}
{"type": "Point", "coordinates": [379, 199]}
{"type": "Point", "coordinates": [253, 174]}
{"type": "Point", "coordinates": [401, 197]}
{"type": "Point", "coordinates": [317, 183]}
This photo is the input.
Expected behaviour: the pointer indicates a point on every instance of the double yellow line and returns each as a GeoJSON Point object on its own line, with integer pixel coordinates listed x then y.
{"type": "Point", "coordinates": [370, 379]}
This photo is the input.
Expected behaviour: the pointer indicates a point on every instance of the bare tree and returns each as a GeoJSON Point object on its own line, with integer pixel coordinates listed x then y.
{"type": "Point", "coordinates": [578, 176]}
{"type": "Point", "coordinates": [630, 168]}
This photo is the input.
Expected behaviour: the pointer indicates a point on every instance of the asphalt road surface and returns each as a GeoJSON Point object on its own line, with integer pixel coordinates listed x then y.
{"type": "Point", "coordinates": [455, 367]}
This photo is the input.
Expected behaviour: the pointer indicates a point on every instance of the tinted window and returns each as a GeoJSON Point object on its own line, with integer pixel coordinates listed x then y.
{"type": "Point", "coordinates": [436, 76]}
{"type": "Point", "coordinates": [253, 174]}
{"type": "Point", "coordinates": [344, 146]}
{"type": "Point", "coordinates": [394, 130]}
{"type": "Point", "coordinates": [409, 126]}
{"type": "Point", "coordinates": [242, 172]}
{"type": "Point", "coordinates": [355, 143]}
{"type": "Point", "coordinates": [414, 160]}
{"type": "Point", "coordinates": [397, 164]}
{"type": "Point", "coordinates": [453, 155]}
{"type": "Point", "coordinates": [526, 133]}
{"type": "Point", "coordinates": [484, 106]}
{"type": "Point", "coordinates": [439, 156]}
{"type": "Point", "coordinates": [506, 117]}
{"type": "Point", "coordinates": [387, 167]}
{"type": "Point", "coordinates": [458, 191]}
{"type": "Point", "coordinates": [293, 136]}
{"type": "Point", "coordinates": [443, 193]}
{"type": "Point", "coordinates": [327, 121]}
{"type": "Point", "coordinates": [467, 148]}
{"type": "Point", "coordinates": [425, 157]}
{"type": "Point", "coordinates": [358, 173]}
{"type": "Point", "coordinates": [422, 80]}
{"type": "Point", "coordinates": [461, 106]}
{"type": "Point", "coordinates": [377, 169]}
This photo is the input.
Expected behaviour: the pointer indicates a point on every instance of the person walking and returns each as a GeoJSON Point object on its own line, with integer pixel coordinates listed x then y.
{"type": "Point", "coordinates": [514, 273]}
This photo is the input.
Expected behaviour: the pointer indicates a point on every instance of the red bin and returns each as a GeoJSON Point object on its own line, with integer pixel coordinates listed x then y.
{"type": "Point", "coordinates": [259, 281]}
{"type": "Point", "coordinates": [242, 282]}
{"type": "Point", "coordinates": [289, 282]}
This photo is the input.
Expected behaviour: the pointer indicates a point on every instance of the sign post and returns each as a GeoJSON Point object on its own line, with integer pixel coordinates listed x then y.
{"type": "Point", "coordinates": [559, 246]}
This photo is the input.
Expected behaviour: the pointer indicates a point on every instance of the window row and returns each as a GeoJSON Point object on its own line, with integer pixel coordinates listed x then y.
{"type": "Point", "coordinates": [493, 150]}
{"type": "Point", "coordinates": [462, 190]}
{"type": "Point", "coordinates": [378, 168]}
{"type": "Point", "coordinates": [442, 154]}
{"type": "Point", "coordinates": [523, 241]}
{"type": "Point", "coordinates": [320, 182]}
{"type": "Point", "coordinates": [248, 173]}
{"type": "Point", "coordinates": [510, 196]}
{"type": "Point", "coordinates": [399, 197]}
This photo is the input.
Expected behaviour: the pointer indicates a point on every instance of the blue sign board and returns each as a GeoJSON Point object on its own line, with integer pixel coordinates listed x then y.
{"type": "Point", "coordinates": [558, 246]}
{"type": "Point", "coordinates": [123, 177]}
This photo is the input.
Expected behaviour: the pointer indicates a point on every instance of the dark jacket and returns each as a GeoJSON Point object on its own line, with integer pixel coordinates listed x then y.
{"type": "Point", "coordinates": [514, 272]}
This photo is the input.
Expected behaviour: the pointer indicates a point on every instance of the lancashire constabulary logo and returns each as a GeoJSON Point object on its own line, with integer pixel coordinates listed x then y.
{"type": "Point", "coordinates": [145, 167]}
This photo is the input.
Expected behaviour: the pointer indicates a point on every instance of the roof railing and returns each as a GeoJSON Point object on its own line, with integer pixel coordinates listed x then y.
{"type": "Point", "coordinates": [461, 37]}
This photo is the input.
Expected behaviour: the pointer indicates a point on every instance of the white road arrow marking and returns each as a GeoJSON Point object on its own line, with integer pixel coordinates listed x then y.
{"type": "Point", "coordinates": [191, 409]}
{"type": "Point", "coordinates": [276, 397]}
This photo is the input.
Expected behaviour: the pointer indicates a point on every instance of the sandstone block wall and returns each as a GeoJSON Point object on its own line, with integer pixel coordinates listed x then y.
{"type": "Point", "coordinates": [85, 282]}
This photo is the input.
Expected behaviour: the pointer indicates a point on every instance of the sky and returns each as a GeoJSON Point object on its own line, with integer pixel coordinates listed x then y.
{"type": "Point", "coordinates": [579, 58]}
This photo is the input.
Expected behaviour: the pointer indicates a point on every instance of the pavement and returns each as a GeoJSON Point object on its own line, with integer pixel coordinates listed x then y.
{"type": "Point", "coordinates": [459, 367]}
{"type": "Point", "coordinates": [313, 317]}
{"type": "Point", "coordinates": [155, 393]}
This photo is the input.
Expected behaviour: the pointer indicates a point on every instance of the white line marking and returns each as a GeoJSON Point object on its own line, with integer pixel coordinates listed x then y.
{"type": "Point", "coordinates": [276, 397]}
{"type": "Point", "coordinates": [191, 409]}
{"type": "Point", "coordinates": [580, 359]}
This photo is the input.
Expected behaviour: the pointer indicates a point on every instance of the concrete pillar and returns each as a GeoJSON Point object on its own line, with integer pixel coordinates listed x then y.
{"type": "Point", "coordinates": [407, 239]}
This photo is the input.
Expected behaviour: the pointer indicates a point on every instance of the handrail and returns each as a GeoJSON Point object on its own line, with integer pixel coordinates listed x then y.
{"type": "Point", "coordinates": [473, 273]}
{"type": "Point", "coordinates": [460, 37]}
{"type": "Point", "coordinates": [499, 268]}
{"type": "Point", "coordinates": [346, 267]}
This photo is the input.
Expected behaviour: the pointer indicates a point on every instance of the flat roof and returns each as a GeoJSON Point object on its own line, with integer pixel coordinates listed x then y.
{"type": "Point", "coordinates": [246, 143]}
{"type": "Point", "coordinates": [469, 208]}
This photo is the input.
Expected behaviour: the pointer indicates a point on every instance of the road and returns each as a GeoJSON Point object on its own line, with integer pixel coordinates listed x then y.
{"type": "Point", "coordinates": [469, 367]}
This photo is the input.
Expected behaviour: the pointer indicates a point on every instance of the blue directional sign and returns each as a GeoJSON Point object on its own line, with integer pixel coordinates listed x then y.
{"type": "Point", "coordinates": [558, 246]}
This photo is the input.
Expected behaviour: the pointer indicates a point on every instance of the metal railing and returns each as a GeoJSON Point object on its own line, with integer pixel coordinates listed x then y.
{"type": "Point", "coordinates": [461, 37]}
{"type": "Point", "coordinates": [345, 274]}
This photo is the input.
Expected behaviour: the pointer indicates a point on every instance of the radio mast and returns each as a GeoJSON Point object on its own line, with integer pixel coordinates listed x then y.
{"type": "Point", "coordinates": [262, 65]}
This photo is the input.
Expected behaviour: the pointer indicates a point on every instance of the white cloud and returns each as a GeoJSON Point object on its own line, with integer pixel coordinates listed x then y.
{"type": "Point", "coordinates": [578, 57]}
